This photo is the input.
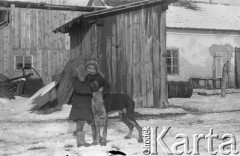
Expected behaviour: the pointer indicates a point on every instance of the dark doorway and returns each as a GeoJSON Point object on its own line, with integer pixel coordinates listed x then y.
{"type": "Point", "coordinates": [237, 67]}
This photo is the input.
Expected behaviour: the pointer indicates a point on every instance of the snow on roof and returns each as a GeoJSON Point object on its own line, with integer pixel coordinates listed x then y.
{"type": "Point", "coordinates": [208, 16]}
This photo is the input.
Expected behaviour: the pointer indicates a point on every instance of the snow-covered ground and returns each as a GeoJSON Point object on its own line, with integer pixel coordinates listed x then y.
{"type": "Point", "coordinates": [26, 134]}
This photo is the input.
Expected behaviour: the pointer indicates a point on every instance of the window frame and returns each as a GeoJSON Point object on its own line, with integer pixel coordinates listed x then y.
{"type": "Point", "coordinates": [15, 63]}
{"type": "Point", "coordinates": [172, 62]}
{"type": "Point", "coordinates": [7, 18]}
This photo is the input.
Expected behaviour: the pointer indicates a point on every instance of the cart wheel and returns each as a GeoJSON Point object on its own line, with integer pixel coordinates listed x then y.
{"type": "Point", "coordinates": [3, 78]}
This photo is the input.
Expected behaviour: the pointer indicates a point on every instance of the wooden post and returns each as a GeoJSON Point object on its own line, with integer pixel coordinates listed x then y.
{"type": "Point", "coordinates": [224, 79]}
{"type": "Point", "coordinates": [163, 64]}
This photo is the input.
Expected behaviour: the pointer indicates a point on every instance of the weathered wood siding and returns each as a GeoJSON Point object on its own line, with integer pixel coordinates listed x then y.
{"type": "Point", "coordinates": [30, 33]}
{"type": "Point", "coordinates": [131, 47]}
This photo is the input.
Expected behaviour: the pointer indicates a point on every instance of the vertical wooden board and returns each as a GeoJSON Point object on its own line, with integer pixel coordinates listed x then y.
{"type": "Point", "coordinates": [120, 49]}
{"type": "Point", "coordinates": [13, 24]}
{"type": "Point", "coordinates": [51, 27]}
{"type": "Point", "coordinates": [47, 29]}
{"type": "Point", "coordinates": [24, 28]}
{"type": "Point", "coordinates": [87, 39]}
{"type": "Point", "coordinates": [44, 64]}
{"type": "Point", "coordinates": [143, 59]}
{"type": "Point", "coordinates": [124, 54]}
{"type": "Point", "coordinates": [14, 52]}
{"type": "Point", "coordinates": [134, 62]}
{"type": "Point", "coordinates": [94, 40]}
{"type": "Point", "coordinates": [107, 28]}
{"type": "Point", "coordinates": [163, 64]}
{"type": "Point", "coordinates": [33, 52]}
{"type": "Point", "coordinates": [67, 56]}
{"type": "Point", "coordinates": [114, 53]}
{"type": "Point", "coordinates": [83, 39]}
{"type": "Point", "coordinates": [11, 42]}
{"type": "Point", "coordinates": [44, 30]}
{"type": "Point", "coordinates": [62, 44]}
{"type": "Point", "coordinates": [39, 31]}
{"type": "Point", "coordinates": [156, 52]}
{"type": "Point", "coordinates": [16, 28]}
{"type": "Point", "coordinates": [31, 31]}
{"type": "Point", "coordinates": [19, 28]}
{"type": "Point", "coordinates": [71, 44]}
{"type": "Point", "coordinates": [91, 40]}
{"type": "Point", "coordinates": [60, 35]}
{"type": "Point", "coordinates": [33, 28]}
{"type": "Point", "coordinates": [101, 46]}
{"type": "Point", "coordinates": [1, 52]}
{"type": "Point", "coordinates": [51, 64]}
{"type": "Point", "coordinates": [74, 40]}
{"type": "Point", "coordinates": [134, 59]}
{"type": "Point", "coordinates": [59, 61]}
{"type": "Point", "coordinates": [128, 20]}
{"type": "Point", "coordinates": [149, 57]}
{"type": "Point", "coordinates": [138, 57]}
{"type": "Point", "coordinates": [6, 50]}
{"type": "Point", "coordinates": [67, 37]}
{"type": "Point", "coordinates": [27, 28]}
{"type": "Point", "coordinates": [78, 43]}
{"type": "Point", "coordinates": [54, 63]}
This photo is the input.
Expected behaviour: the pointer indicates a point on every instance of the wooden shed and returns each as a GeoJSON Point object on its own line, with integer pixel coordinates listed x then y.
{"type": "Point", "coordinates": [26, 37]}
{"type": "Point", "coordinates": [130, 43]}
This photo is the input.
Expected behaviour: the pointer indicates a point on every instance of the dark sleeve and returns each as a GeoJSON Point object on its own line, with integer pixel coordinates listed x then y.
{"type": "Point", "coordinates": [106, 87]}
{"type": "Point", "coordinates": [79, 87]}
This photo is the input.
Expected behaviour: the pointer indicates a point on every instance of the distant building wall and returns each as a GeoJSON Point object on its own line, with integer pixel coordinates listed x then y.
{"type": "Point", "coordinates": [195, 56]}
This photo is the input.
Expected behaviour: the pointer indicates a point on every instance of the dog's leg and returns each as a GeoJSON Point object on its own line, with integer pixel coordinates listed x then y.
{"type": "Point", "coordinates": [94, 134]}
{"type": "Point", "coordinates": [130, 126]}
{"type": "Point", "coordinates": [104, 138]}
{"type": "Point", "coordinates": [132, 120]}
{"type": "Point", "coordinates": [96, 127]}
{"type": "Point", "coordinates": [98, 135]}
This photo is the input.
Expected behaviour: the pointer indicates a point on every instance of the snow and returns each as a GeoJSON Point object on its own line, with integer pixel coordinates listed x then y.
{"type": "Point", "coordinates": [210, 104]}
{"type": "Point", "coordinates": [26, 134]}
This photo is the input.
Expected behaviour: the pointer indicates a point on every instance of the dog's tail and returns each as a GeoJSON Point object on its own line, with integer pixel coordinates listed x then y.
{"type": "Point", "coordinates": [130, 105]}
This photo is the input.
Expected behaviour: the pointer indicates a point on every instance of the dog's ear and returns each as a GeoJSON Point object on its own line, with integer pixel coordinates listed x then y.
{"type": "Point", "coordinates": [100, 89]}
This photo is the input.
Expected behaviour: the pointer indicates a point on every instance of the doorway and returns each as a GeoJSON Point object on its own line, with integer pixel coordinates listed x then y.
{"type": "Point", "coordinates": [237, 67]}
{"type": "Point", "coordinates": [219, 59]}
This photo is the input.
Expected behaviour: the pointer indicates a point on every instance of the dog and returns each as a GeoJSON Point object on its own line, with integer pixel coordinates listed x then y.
{"type": "Point", "coordinates": [103, 105]}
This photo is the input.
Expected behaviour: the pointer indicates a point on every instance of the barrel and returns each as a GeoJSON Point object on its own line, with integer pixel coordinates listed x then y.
{"type": "Point", "coordinates": [179, 89]}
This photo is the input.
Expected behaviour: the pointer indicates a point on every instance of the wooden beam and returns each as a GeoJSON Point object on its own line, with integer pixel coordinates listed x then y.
{"type": "Point", "coordinates": [50, 6]}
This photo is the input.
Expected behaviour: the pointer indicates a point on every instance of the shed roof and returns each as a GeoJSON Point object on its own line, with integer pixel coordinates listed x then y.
{"type": "Point", "coordinates": [207, 16]}
{"type": "Point", "coordinates": [5, 3]}
{"type": "Point", "coordinates": [110, 11]}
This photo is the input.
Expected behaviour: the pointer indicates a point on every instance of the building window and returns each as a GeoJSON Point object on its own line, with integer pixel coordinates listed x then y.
{"type": "Point", "coordinates": [23, 62]}
{"type": "Point", "coordinates": [4, 18]}
{"type": "Point", "coordinates": [173, 61]}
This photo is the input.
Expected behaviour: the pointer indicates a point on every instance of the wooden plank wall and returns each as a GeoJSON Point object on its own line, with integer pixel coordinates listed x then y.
{"type": "Point", "coordinates": [30, 33]}
{"type": "Point", "coordinates": [131, 46]}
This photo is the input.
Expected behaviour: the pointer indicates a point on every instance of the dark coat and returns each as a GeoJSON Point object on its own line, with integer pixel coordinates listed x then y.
{"type": "Point", "coordinates": [82, 96]}
{"type": "Point", "coordinates": [81, 102]}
